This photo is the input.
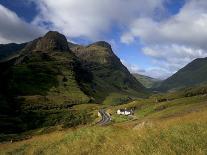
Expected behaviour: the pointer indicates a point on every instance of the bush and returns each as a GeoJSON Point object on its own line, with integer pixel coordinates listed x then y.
{"type": "Point", "coordinates": [77, 119]}
{"type": "Point", "coordinates": [45, 118]}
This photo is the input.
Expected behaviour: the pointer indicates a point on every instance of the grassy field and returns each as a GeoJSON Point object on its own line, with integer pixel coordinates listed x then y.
{"type": "Point", "coordinates": [178, 126]}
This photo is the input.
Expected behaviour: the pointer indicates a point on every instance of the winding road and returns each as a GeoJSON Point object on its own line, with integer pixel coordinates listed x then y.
{"type": "Point", "coordinates": [105, 117]}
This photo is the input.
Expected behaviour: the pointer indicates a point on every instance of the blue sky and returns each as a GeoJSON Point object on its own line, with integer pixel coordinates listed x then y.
{"type": "Point", "coordinates": [151, 37]}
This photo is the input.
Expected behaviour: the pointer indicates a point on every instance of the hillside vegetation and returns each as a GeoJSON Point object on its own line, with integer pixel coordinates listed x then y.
{"type": "Point", "coordinates": [175, 126]}
{"type": "Point", "coordinates": [195, 73]}
{"type": "Point", "coordinates": [51, 92]}
{"type": "Point", "coordinates": [110, 75]}
{"type": "Point", "coordinates": [39, 87]}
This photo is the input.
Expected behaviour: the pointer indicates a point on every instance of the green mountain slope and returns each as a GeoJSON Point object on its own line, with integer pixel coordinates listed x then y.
{"type": "Point", "coordinates": [38, 87]}
{"type": "Point", "coordinates": [147, 81]}
{"type": "Point", "coordinates": [192, 74]}
{"type": "Point", "coordinates": [112, 80]}
{"type": "Point", "coordinates": [47, 70]}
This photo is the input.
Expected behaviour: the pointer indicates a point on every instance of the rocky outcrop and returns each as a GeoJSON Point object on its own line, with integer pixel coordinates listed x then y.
{"type": "Point", "coordinates": [52, 41]}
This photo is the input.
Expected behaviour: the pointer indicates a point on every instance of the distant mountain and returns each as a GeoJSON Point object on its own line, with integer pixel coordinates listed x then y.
{"type": "Point", "coordinates": [50, 74]}
{"type": "Point", "coordinates": [194, 73]}
{"type": "Point", "coordinates": [9, 50]}
{"type": "Point", "coordinates": [147, 81]}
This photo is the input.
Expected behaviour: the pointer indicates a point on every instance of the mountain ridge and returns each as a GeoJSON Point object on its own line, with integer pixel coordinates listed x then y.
{"type": "Point", "coordinates": [7, 51]}
{"type": "Point", "coordinates": [47, 78]}
{"type": "Point", "coordinates": [194, 73]}
{"type": "Point", "coordinates": [147, 81]}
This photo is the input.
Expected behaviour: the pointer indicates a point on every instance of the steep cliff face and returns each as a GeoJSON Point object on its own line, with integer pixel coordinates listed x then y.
{"type": "Point", "coordinates": [99, 52]}
{"type": "Point", "coordinates": [110, 75]}
{"type": "Point", "coordinates": [52, 41]}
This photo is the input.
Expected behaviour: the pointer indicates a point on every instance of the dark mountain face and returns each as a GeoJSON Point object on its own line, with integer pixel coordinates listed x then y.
{"type": "Point", "coordinates": [99, 52]}
{"type": "Point", "coordinates": [9, 50]}
{"type": "Point", "coordinates": [45, 76]}
{"type": "Point", "coordinates": [194, 73]}
{"type": "Point", "coordinates": [95, 70]}
{"type": "Point", "coordinates": [110, 75]}
{"type": "Point", "coordinates": [48, 75]}
{"type": "Point", "coordinates": [52, 41]}
{"type": "Point", "coordinates": [46, 68]}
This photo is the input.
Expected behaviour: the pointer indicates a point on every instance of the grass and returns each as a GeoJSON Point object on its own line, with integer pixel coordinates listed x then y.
{"type": "Point", "coordinates": [172, 127]}
{"type": "Point", "coordinates": [174, 107]}
{"type": "Point", "coordinates": [116, 99]}
{"type": "Point", "coordinates": [180, 135]}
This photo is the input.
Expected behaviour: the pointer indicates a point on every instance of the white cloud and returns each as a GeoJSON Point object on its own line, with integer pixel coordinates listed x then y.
{"type": "Point", "coordinates": [169, 52]}
{"type": "Point", "coordinates": [172, 42]}
{"type": "Point", "coordinates": [155, 72]}
{"type": "Point", "coordinates": [131, 67]}
{"type": "Point", "coordinates": [187, 27]}
{"type": "Point", "coordinates": [175, 41]}
{"type": "Point", "coordinates": [14, 29]}
{"type": "Point", "coordinates": [92, 18]}
{"type": "Point", "coordinates": [127, 38]}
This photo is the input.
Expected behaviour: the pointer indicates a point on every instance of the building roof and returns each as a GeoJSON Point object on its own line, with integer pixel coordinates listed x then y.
{"type": "Point", "coordinates": [124, 110]}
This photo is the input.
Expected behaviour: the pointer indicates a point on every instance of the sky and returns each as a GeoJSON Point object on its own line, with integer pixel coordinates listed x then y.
{"type": "Point", "coordinates": [151, 37]}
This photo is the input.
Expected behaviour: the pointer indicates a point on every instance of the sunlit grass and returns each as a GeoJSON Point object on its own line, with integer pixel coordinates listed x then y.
{"type": "Point", "coordinates": [178, 126]}
{"type": "Point", "coordinates": [175, 135]}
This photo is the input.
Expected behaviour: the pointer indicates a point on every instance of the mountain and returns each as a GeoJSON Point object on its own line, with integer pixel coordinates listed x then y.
{"type": "Point", "coordinates": [45, 77]}
{"type": "Point", "coordinates": [112, 80]}
{"type": "Point", "coordinates": [9, 50]}
{"type": "Point", "coordinates": [147, 81]}
{"type": "Point", "coordinates": [48, 77]}
{"type": "Point", "coordinates": [46, 67]}
{"type": "Point", "coordinates": [194, 73]}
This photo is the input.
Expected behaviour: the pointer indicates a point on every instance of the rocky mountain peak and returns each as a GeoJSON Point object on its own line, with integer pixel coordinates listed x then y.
{"type": "Point", "coordinates": [102, 44]}
{"type": "Point", "coordinates": [52, 41]}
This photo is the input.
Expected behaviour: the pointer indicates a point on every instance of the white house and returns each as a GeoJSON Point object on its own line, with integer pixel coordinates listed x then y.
{"type": "Point", "coordinates": [124, 112]}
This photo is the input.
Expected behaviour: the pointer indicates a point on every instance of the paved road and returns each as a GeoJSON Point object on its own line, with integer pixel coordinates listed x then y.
{"type": "Point", "coordinates": [105, 117]}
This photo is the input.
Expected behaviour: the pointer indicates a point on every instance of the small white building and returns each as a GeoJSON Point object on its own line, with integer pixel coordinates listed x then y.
{"type": "Point", "coordinates": [125, 112]}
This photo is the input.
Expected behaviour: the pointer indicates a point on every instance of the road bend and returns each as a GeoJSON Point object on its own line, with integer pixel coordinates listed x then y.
{"type": "Point", "coordinates": [105, 118]}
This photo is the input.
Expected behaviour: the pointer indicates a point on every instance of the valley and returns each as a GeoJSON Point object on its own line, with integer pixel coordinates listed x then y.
{"type": "Point", "coordinates": [177, 125]}
{"type": "Point", "coordinates": [57, 97]}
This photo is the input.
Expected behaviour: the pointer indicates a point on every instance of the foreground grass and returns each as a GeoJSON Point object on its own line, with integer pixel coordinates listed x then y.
{"type": "Point", "coordinates": [185, 134]}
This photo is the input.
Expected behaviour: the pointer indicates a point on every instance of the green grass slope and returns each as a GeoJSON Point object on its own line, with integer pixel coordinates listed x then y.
{"type": "Point", "coordinates": [175, 126]}
{"type": "Point", "coordinates": [193, 74]}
